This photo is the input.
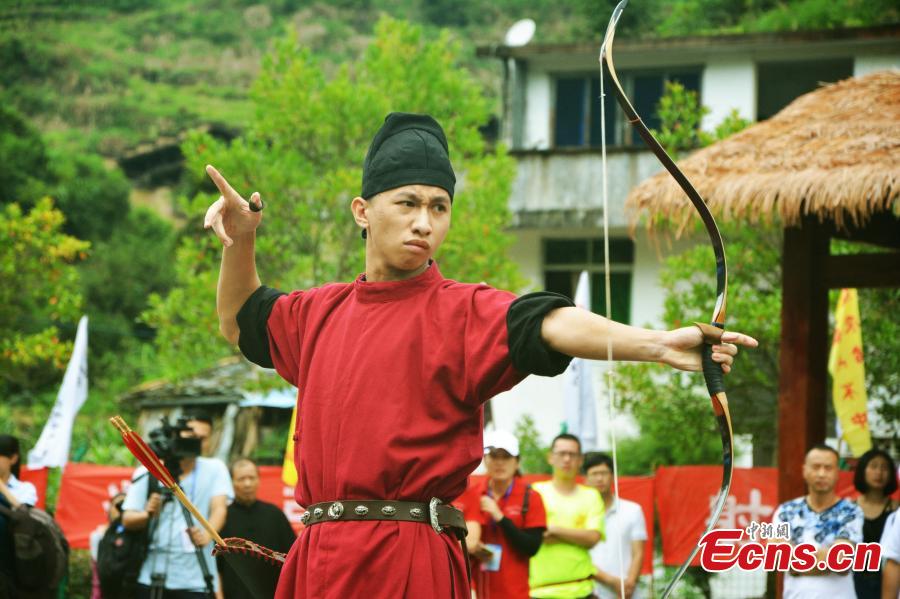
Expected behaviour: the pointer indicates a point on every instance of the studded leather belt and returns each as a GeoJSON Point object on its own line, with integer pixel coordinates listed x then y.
{"type": "Point", "coordinates": [435, 513]}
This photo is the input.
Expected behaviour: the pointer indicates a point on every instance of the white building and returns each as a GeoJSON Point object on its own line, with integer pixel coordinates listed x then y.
{"type": "Point", "coordinates": [551, 122]}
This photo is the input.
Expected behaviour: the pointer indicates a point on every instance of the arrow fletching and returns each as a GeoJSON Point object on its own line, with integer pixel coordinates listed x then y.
{"type": "Point", "coordinates": [143, 453]}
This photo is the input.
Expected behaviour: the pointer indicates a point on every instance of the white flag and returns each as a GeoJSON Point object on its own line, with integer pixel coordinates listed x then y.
{"type": "Point", "coordinates": [578, 393]}
{"type": "Point", "coordinates": [52, 449]}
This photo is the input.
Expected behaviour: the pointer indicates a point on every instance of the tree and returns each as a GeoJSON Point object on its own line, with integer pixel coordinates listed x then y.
{"type": "Point", "coordinates": [24, 165]}
{"type": "Point", "coordinates": [38, 289]}
{"type": "Point", "coordinates": [532, 455]}
{"type": "Point", "coordinates": [121, 273]}
{"type": "Point", "coordinates": [304, 151]}
{"type": "Point", "coordinates": [681, 116]}
{"type": "Point", "coordinates": [93, 197]}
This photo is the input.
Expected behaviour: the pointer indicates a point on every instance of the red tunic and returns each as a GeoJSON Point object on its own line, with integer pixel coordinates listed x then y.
{"type": "Point", "coordinates": [392, 378]}
{"type": "Point", "coordinates": [511, 580]}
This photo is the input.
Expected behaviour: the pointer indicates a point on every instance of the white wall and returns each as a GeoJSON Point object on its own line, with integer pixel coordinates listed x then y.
{"type": "Point", "coordinates": [547, 182]}
{"type": "Point", "coordinates": [728, 83]}
{"type": "Point", "coordinates": [536, 135]}
{"type": "Point", "coordinates": [863, 65]}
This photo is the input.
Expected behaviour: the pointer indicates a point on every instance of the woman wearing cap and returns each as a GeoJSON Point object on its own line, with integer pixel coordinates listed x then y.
{"type": "Point", "coordinates": [506, 522]}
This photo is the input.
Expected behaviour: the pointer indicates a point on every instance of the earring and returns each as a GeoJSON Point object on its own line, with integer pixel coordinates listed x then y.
{"type": "Point", "coordinates": [364, 233]}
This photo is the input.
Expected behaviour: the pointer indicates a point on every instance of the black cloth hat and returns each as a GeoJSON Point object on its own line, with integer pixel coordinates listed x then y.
{"type": "Point", "coordinates": [409, 149]}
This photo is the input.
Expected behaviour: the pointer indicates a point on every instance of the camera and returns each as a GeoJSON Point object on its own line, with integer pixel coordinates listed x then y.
{"type": "Point", "coordinates": [170, 443]}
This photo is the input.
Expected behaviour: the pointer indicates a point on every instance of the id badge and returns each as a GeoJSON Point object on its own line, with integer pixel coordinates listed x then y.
{"type": "Point", "coordinates": [493, 563]}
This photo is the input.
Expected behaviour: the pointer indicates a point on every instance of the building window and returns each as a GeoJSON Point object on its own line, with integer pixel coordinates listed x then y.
{"type": "Point", "coordinates": [780, 83]}
{"type": "Point", "coordinates": [564, 259]}
{"type": "Point", "coordinates": [577, 109]}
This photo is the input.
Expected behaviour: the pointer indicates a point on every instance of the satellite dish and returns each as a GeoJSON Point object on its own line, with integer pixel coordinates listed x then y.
{"type": "Point", "coordinates": [520, 33]}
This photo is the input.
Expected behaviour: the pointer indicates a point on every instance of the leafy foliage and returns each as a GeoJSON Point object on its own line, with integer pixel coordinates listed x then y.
{"type": "Point", "coordinates": [24, 165]}
{"type": "Point", "coordinates": [532, 455]}
{"type": "Point", "coordinates": [122, 272]}
{"type": "Point", "coordinates": [304, 150]}
{"type": "Point", "coordinates": [38, 288]}
{"type": "Point", "coordinates": [110, 76]}
{"type": "Point", "coordinates": [94, 198]}
{"type": "Point", "coordinates": [681, 116]}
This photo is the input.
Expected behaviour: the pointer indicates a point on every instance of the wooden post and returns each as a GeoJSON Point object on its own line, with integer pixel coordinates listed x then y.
{"type": "Point", "coordinates": [803, 378]}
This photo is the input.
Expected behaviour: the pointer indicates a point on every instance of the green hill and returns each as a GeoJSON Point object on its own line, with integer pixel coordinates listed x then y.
{"type": "Point", "coordinates": [112, 76]}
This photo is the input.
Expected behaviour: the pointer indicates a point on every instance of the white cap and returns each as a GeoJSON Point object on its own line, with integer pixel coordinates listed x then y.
{"type": "Point", "coordinates": [501, 440]}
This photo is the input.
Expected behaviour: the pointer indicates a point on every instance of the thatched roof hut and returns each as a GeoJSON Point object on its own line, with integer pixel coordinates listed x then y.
{"type": "Point", "coordinates": [833, 153]}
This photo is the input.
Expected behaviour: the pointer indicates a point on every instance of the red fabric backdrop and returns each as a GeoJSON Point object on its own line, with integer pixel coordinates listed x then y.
{"type": "Point", "coordinates": [684, 497]}
{"type": "Point", "coordinates": [86, 489]}
{"type": "Point", "coordinates": [38, 478]}
{"type": "Point", "coordinates": [682, 494]}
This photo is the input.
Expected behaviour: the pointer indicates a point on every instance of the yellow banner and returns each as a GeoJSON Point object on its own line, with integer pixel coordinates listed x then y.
{"type": "Point", "coordinates": [288, 468]}
{"type": "Point", "coordinates": [848, 375]}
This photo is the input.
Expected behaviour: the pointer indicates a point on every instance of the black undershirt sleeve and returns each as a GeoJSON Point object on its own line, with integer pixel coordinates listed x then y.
{"type": "Point", "coordinates": [526, 541]}
{"type": "Point", "coordinates": [523, 323]}
{"type": "Point", "coordinates": [252, 319]}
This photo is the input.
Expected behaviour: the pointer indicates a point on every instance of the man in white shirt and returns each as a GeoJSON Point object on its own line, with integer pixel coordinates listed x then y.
{"type": "Point", "coordinates": [890, 555]}
{"type": "Point", "coordinates": [822, 518]}
{"type": "Point", "coordinates": [626, 534]}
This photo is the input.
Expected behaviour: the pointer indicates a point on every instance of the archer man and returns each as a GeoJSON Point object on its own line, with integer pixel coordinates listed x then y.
{"type": "Point", "coordinates": [393, 369]}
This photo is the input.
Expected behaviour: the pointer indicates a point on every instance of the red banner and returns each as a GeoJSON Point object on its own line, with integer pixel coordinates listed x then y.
{"type": "Point", "coordinates": [86, 489]}
{"type": "Point", "coordinates": [685, 496]}
{"type": "Point", "coordinates": [638, 489]}
{"type": "Point", "coordinates": [37, 477]}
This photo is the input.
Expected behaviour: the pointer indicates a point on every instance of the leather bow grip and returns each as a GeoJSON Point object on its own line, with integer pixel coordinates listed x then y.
{"type": "Point", "coordinates": [712, 371]}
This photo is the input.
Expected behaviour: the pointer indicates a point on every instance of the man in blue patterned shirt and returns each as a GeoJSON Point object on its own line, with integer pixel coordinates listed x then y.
{"type": "Point", "coordinates": [823, 519]}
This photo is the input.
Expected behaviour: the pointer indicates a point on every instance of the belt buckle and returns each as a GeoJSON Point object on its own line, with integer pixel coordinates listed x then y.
{"type": "Point", "coordinates": [433, 514]}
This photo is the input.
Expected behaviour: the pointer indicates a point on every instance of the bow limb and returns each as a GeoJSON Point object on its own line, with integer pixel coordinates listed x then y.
{"type": "Point", "coordinates": [712, 371]}
{"type": "Point", "coordinates": [607, 279]}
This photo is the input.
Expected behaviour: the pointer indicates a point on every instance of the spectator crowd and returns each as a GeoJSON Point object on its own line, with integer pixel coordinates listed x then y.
{"type": "Point", "coordinates": [558, 538]}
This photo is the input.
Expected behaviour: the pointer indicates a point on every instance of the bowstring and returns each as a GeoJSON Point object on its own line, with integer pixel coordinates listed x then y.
{"type": "Point", "coordinates": [610, 365]}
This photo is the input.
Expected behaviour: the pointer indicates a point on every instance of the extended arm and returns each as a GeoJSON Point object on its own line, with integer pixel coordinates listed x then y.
{"type": "Point", "coordinates": [582, 334]}
{"type": "Point", "coordinates": [234, 223]}
{"type": "Point", "coordinates": [237, 281]}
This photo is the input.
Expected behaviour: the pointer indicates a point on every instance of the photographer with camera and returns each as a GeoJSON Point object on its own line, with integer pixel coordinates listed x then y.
{"type": "Point", "coordinates": [179, 562]}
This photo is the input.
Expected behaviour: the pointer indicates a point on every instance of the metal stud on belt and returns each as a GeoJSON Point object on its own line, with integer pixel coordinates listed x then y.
{"type": "Point", "coordinates": [336, 510]}
{"type": "Point", "coordinates": [433, 514]}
